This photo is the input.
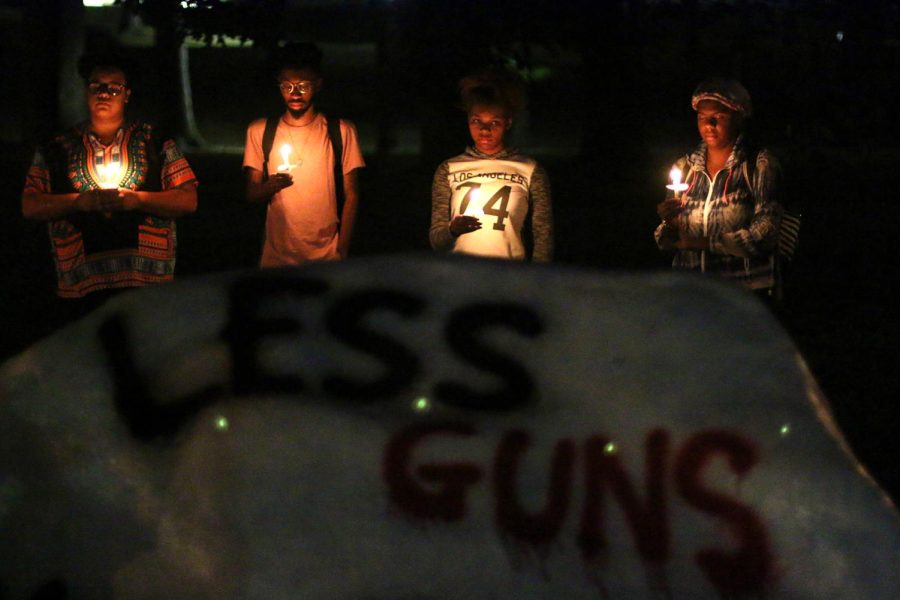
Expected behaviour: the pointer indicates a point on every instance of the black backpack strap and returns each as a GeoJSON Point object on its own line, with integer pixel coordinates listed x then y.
{"type": "Point", "coordinates": [267, 140]}
{"type": "Point", "coordinates": [337, 146]}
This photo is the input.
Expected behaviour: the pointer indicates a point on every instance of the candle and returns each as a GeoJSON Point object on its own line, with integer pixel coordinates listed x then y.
{"type": "Point", "coordinates": [473, 209]}
{"type": "Point", "coordinates": [110, 174]}
{"type": "Point", "coordinates": [676, 185]}
{"type": "Point", "coordinates": [285, 165]}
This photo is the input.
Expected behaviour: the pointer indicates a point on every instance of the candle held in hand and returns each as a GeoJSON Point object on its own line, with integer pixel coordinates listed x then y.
{"type": "Point", "coordinates": [472, 208]}
{"type": "Point", "coordinates": [110, 174]}
{"type": "Point", "coordinates": [285, 158]}
{"type": "Point", "coordinates": [676, 185]}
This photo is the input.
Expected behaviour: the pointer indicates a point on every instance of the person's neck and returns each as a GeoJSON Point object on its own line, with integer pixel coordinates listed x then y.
{"type": "Point", "coordinates": [716, 158]}
{"type": "Point", "coordinates": [496, 152]}
{"type": "Point", "coordinates": [106, 130]}
{"type": "Point", "coordinates": [305, 119]}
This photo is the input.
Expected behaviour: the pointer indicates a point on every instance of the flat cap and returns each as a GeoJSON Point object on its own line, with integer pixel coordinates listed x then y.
{"type": "Point", "coordinates": [728, 92]}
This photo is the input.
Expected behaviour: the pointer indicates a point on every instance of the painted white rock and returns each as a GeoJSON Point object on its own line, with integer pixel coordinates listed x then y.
{"type": "Point", "coordinates": [423, 428]}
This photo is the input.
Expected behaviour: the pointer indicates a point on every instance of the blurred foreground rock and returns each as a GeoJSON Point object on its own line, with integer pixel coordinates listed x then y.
{"type": "Point", "coordinates": [407, 427]}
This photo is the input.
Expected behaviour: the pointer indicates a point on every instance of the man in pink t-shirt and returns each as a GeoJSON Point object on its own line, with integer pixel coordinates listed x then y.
{"type": "Point", "coordinates": [302, 221]}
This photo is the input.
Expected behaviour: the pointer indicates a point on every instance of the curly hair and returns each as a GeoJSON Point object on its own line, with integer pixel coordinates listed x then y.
{"type": "Point", "coordinates": [493, 87]}
{"type": "Point", "coordinates": [298, 56]}
{"type": "Point", "coordinates": [107, 60]}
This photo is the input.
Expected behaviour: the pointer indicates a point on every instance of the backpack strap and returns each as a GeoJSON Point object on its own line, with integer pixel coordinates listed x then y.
{"type": "Point", "coordinates": [267, 140]}
{"type": "Point", "coordinates": [337, 146]}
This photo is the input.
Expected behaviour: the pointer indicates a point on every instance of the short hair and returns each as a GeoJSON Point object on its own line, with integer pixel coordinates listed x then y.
{"type": "Point", "coordinates": [297, 56]}
{"type": "Point", "coordinates": [495, 87]}
{"type": "Point", "coordinates": [105, 60]}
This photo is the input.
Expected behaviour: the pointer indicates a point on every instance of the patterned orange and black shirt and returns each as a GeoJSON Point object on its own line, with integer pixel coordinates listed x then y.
{"type": "Point", "coordinates": [96, 251]}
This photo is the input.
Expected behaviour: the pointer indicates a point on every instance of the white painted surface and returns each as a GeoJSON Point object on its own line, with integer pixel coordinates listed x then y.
{"type": "Point", "coordinates": [264, 495]}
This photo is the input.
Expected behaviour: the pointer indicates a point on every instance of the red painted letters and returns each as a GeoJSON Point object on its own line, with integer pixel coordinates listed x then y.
{"type": "Point", "coordinates": [438, 492]}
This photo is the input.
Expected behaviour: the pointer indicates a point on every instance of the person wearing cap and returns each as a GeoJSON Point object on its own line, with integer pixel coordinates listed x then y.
{"type": "Point", "coordinates": [726, 222]}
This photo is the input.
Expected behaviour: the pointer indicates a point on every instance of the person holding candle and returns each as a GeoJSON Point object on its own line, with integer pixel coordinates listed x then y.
{"type": "Point", "coordinates": [483, 199]}
{"type": "Point", "coordinates": [109, 190]}
{"type": "Point", "coordinates": [723, 213]}
{"type": "Point", "coordinates": [298, 177]}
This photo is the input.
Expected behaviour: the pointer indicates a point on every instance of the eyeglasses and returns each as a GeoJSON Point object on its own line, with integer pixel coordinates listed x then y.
{"type": "Point", "coordinates": [302, 87]}
{"type": "Point", "coordinates": [113, 89]}
{"type": "Point", "coordinates": [494, 124]}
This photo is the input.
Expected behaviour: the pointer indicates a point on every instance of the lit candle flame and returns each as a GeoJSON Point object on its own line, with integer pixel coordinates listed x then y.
{"type": "Point", "coordinates": [110, 174]}
{"type": "Point", "coordinates": [676, 185]}
{"type": "Point", "coordinates": [285, 157]}
{"type": "Point", "coordinates": [675, 175]}
{"type": "Point", "coordinates": [474, 210]}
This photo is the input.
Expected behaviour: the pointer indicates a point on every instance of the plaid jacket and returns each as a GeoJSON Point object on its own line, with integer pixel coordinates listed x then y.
{"type": "Point", "coordinates": [740, 221]}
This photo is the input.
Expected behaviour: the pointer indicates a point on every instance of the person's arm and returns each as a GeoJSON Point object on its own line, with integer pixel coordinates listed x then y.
{"type": "Point", "coordinates": [39, 203]}
{"type": "Point", "coordinates": [542, 218]}
{"type": "Point", "coordinates": [668, 234]}
{"type": "Point", "coordinates": [760, 236]}
{"type": "Point", "coordinates": [439, 235]}
{"type": "Point", "coordinates": [256, 187]}
{"type": "Point", "coordinates": [443, 232]}
{"type": "Point", "coordinates": [692, 243]}
{"type": "Point", "coordinates": [41, 206]}
{"type": "Point", "coordinates": [348, 215]}
{"type": "Point", "coordinates": [169, 204]}
{"type": "Point", "coordinates": [178, 196]}
{"type": "Point", "coordinates": [257, 190]}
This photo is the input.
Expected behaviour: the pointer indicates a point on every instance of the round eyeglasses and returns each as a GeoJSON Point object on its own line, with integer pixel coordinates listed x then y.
{"type": "Point", "coordinates": [113, 89]}
{"type": "Point", "coordinates": [302, 87]}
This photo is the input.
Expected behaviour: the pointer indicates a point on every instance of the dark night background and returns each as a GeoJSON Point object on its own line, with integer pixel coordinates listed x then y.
{"type": "Point", "coordinates": [609, 110]}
